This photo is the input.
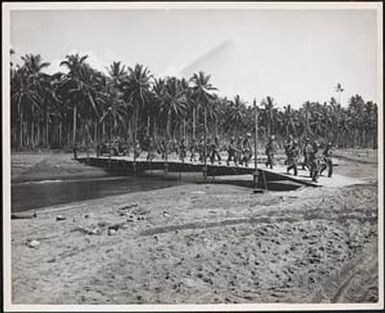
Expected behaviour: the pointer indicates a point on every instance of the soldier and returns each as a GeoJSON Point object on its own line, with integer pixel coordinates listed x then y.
{"type": "Point", "coordinates": [231, 150]}
{"type": "Point", "coordinates": [98, 149]}
{"type": "Point", "coordinates": [314, 160]}
{"type": "Point", "coordinates": [288, 144]}
{"type": "Point", "coordinates": [182, 149]}
{"type": "Point", "coordinates": [292, 152]}
{"type": "Point", "coordinates": [305, 158]}
{"type": "Point", "coordinates": [75, 151]}
{"type": "Point", "coordinates": [201, 148]}
{"type": "Point", "coordinates": [118, 145]}
{"type": "Point", "coordinates": [150, 149]}
{"type": "Point", "coordinates": [271, 149]}
{"type": "Point", "coordinates": [162, 148]}
{"type": "Point", "coordinates": [328, 162]}
{"type": "Point", "coordinates": [125, 148]}
{"type": "Point", "coordinates": [137, 148]}
{"type": "Point", "coordinates": [193, 150]}
{"type": "Point", "coordinates": [247, 150]}
{"type": "Point", "coordinates": [238, 148]}
{"type": "Point", "coordinates": [214, 150]}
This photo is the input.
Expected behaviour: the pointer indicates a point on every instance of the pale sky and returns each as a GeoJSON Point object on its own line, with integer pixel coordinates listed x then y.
{"type": "Point", "coordinates": [291, 55]}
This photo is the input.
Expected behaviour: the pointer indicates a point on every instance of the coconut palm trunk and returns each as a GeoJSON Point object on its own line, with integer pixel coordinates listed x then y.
{"type": "Point", "coordinates": [21, 130]}
{"type": "Point", "coordinates": [148, 125]}
{"type": "Point", "coordinates": [20, 122]}
{"type": "Point", "coordinates": [205, 147]}
{"type": "Point", "coordinates": [74, 125]}
{"type": "Point", "coordinates": [255, 176]}
{"type": "Point", "coordinates": [46, 130]}
{"type": "Point", "coordinates": [167, 141]}
{"type": "Point", "coordinates": [135, 132]}
{"type": "Point", "coordinates": [193, 122]}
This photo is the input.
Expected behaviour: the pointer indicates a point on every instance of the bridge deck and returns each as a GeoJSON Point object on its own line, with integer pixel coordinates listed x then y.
{"type": "Point", "coordinates": [126, 164]}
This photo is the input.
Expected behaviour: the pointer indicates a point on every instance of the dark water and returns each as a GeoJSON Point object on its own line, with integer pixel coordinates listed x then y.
{"type": "Point", "coordinates": [33, 195]}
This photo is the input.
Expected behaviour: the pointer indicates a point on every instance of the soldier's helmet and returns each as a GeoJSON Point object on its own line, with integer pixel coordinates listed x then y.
{"type": "Point", "coordinates": [272, 137]}
{"type": "Point", "coordinates": [329, 144]}
{"type": "Point", "coordinates": [240, 137]}
{"type": "Point", "coordinates": [317, 144]}
{"type": "Point", "coordinates": [232, 138]}
{"type": "Point", "coordinates": [295, 142]}
{"type": "Point", "coordinates": [248, 135]}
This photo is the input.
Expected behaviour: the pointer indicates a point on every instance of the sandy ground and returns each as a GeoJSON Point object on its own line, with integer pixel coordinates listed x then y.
{"type": "Point", "coordinates": [203, 244]}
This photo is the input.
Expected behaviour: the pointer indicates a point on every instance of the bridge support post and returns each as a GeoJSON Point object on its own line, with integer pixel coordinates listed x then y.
{"type": "Point", "coordinates": [166, 159]}
{"type": "Point", "coordinates": [205, 148]}
{"type": "Point", "coordinates": [134, 162]}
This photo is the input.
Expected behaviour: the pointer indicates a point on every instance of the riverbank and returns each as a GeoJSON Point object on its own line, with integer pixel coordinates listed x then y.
{"type": "Point", "coordinates": [49, 166]}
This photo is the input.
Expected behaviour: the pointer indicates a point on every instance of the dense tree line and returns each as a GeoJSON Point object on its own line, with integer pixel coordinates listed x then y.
{"type": "Point", "coordinates": [85, 106]}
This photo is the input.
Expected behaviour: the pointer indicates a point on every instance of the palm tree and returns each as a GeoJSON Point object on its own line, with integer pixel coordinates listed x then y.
{"type": "Point", "coordinates": [136, 90]}
{"type": "Point", "coordinates": [25, 93]}
{"type": "Point", "coordinates": [47, 108]}
{"type": "Point", "coordinates": [115, 111]}
{"type": "Point", "coordinates": [202, 91]}
{"type": "Point", "coordinates": [269, 114]}
{"type": "Point", "coordinates": [117, 72]}
{"type": "Point", "coordinates": [34, 64]}
{"type": "Point", "coordinates": [236, 114]}
{"type": "Point", "coordinates": [25, 98]}
{"type": "Point", "coordinates": [174, 103]}
{"type": "Point", "coordinates": [49, 85]}
{"type": "Point", "coordinates": [74, 64]}
{"type": "Point", "coordinates": [290, 120]}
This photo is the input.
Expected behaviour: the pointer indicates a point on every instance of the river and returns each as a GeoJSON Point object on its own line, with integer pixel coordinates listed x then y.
{"type": "Point", "coordinates": [37, 194]}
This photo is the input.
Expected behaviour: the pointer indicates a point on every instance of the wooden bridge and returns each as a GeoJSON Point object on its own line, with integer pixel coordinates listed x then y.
{"type": "Point", "coordinates": [127, 165]}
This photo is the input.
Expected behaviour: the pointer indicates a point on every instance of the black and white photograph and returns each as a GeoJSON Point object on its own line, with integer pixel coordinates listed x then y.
{"type": "Point", "coordinates": [192, 156]}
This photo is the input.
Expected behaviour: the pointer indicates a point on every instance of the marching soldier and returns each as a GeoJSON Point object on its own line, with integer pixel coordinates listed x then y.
{"type": "Point", "coordinates": [118, 145]}
{"type": "Point", "coordinates": [182, 149]}
{"type": "Point", "coordinates": [137, 148]}
{"type": "Point", "coordinates": [314, 160]}
{"type": "Point", "coordinates": [247, 150]}
{"type": "Point", "coordinates": [271, 149]}
{"type": "Point", "coordinates": [98, 149]}
{"type": "Point", "coordinates": [238, 148]}
{"type": "Point", "coordinates": [162, 148]}
{"type": "Point", "coordinates": [288, 144]}
{"type": "Point", "coordinates": [201, 149]}
{"type": "Point", "coordinates": [150, 149]}
{"type": "Point", "coordinates": [292, 152]}
{"type": "Point", "coordinates": [305, 157]}
{"type": "Point", "coordinates": [328, 162]}
{"type": "Point", "coordinates": [75, 151]}
{"type": "Point", "coordinates": [193, 150]}
{"type": "Point", "coordinates": [214, 151]}
{"type": "Point", "coordinates": [231, 150]}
